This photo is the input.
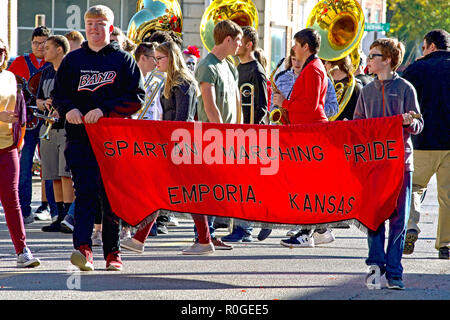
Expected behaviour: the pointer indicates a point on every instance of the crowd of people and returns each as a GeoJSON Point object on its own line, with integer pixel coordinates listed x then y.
{"type": "Point", "coordinates": [108, 75]}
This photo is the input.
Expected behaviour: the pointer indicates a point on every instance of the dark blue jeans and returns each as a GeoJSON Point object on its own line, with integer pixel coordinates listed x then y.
{"type": "Point", "coordinates": [390, 260]}
{"type": "Point", "coordinates": [31, 140]}
{"type": "Point", "coordinates": [91, 199]}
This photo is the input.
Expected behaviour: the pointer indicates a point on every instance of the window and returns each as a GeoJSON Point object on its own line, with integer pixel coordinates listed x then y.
{"type": "Point", "coordinates": [62, 16]}
{"type": "Point", "coordinates": [278, 50]}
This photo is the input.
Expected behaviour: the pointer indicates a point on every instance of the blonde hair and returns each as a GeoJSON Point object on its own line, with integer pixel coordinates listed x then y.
{"type": "Point", "coordinates": [74, 36]}
{"type": "Point", "coordinates": [390, 48]}
{"type": "Point", "coordinates": [100, 11]}
{"type": "Point", "coordinates": [177, 71]}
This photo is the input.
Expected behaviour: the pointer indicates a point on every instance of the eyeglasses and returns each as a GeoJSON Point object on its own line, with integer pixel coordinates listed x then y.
{"type": "Point", "coordinates": [373, 55]}
{"type": "Point", "coordinates": [149, 56]}
{"type": "Point", "coordinates": [160, 58]}
{"type": "Point", "coordinates": [37, 43]}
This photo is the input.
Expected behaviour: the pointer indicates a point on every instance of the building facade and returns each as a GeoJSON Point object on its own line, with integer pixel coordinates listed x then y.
{"type": "Point", "coordinates": [278, 20]}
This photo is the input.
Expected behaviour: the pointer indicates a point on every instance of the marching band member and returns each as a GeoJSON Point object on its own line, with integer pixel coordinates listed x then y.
{"type": "Point", "coordinates": [250, 72]}
{"type": "Point", "coordinates": [306, 105]}
{"type": "Point", "coordinates": [9, 163]}
{"type": "Point", "coordinates": [78, 95]}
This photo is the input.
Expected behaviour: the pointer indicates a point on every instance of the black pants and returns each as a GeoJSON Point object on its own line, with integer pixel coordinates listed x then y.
{"type": "Point", "coordinates": [91, 199]}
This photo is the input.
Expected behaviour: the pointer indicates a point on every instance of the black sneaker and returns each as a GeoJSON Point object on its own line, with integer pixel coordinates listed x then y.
{"type": "Point", "coordinates": [443, 253]}
{"type": "Point", "coordinates": [161, 228]}
{"type": "Point", "coordinates": [53, 227]}
{"type": "Point", "coordinates": [264, 233]}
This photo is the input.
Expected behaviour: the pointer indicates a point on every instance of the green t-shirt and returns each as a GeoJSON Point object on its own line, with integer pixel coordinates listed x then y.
{"type": "Point", "coordinates": [224, 77]}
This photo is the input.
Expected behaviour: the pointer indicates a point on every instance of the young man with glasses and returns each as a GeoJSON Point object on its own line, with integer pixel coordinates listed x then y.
{"type": "Point", "coordinates": [26, 66]}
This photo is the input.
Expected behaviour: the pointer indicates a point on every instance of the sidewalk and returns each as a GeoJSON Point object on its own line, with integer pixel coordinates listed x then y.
{"type": "Point", "coordinates": [251, 271]}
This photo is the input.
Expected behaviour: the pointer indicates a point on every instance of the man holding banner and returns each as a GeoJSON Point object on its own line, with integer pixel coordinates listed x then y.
{"type": "Point", "coordinates": [98, 80]}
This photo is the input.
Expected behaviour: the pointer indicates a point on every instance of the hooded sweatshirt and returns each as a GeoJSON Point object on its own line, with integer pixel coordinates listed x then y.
{"type": "Point", "coordinates": [108, 79]}
{"type": "Point", "coordinates": [384, 98]}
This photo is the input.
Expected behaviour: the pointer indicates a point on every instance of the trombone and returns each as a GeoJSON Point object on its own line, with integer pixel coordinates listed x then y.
{"type": "Point", "coordinates": [153, 87]}
{"type": "Point", "coordinates": [248, 90]}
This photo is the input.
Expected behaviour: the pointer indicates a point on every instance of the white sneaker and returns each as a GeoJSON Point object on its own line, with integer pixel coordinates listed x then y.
{"type": "Point", "coordinates": [97, 239]}
{"type": "Point", "coordinates": [125, 233]}
{"type": "Point", "coordinates": [322, 238]}
{"type": "Point", "coordinates": [199, 249]}
{"type": "Point", "coordinates": [26, 259]}
{"type": "Point", "coordinates": [129, 244]}
{"type": "Point", "coordinates": [173, 221]}
{"type": "Point", "coordinates": [293, 232]}
{"type": "Point", "coordinates": [43, 216]}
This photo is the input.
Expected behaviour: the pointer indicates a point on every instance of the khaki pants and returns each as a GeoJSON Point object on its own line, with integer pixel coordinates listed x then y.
{"type": "Point", "coordinates": [426, 164]}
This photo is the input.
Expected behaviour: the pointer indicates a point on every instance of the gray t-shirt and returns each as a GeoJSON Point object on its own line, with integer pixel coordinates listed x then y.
{"type": "Point", "coordinates": [224, 77]}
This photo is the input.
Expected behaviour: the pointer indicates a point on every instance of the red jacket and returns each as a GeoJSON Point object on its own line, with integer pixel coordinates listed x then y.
{"type": "Point", "coordinates": [19, 66]}
{"type": "Point", "coordinates": [307, 100]}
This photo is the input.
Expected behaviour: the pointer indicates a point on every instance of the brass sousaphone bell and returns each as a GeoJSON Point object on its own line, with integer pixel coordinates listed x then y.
{"type": "Point", "coordinates": [243, 12]}
{"type": "Point", "coordinates": [340, 24]}
{"type": "Point", "coordinates": [153, 15]}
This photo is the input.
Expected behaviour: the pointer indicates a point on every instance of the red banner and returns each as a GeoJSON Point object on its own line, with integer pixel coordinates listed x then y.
{"type": "Point", "coordinates": [297, 174]}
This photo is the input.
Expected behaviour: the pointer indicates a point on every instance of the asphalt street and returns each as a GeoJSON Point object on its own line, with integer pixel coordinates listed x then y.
{"type": "Point", "coordinates": [251, 271]}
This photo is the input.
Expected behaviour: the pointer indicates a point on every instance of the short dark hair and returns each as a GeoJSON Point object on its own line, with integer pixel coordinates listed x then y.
{"type": "Point", "coordinates": [161, 36]}
{"type": "Point", "coordinates": [439, 37]}
{"type": "Point", "coordinates": [60, 41]}
{"type": "Point", "coordinates": [309, 36]}
{"type": "Point", "coordinates": [41, 31]}
{"type": "Point", "coordinates": [250, 34]}
{"type": "Point", "coordinates": [144, 48]}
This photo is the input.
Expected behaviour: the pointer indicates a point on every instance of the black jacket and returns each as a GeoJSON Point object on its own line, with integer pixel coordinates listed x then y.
{"type": "Point", "coordinates": [181, 104]}
{"type": "Point", "coordinates": [252, 72]}
{"type": "Point", "coordinates": [109, 79]}
{"type": "Point", "coordinates": [430, 76]}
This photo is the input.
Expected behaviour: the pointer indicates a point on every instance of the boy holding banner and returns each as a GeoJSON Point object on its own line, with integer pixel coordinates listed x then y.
{"type": "Point", "coordinates": [98, 80]}
{"type": "Point", "coordinates": [390, 95]}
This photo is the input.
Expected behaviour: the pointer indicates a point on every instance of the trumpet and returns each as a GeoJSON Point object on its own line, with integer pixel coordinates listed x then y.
{"type": "Point", "coordinates": [279, 114]}
{"type": "Point", "coordinates": [248, 90]}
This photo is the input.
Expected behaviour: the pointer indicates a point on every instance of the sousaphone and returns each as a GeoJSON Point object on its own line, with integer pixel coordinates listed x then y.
{"type": "Point", "coordinates": [153, 15]}
{"type": "Point", "coordinates": [243, 12]}
{"type": "Point", "coordinates": [340, 24]}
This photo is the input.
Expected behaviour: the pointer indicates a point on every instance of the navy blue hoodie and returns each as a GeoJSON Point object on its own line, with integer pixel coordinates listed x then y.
{"type": "Point", "coordinates": [108, 79]}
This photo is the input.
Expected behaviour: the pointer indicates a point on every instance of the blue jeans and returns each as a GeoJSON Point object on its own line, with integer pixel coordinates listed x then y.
{"type": "Point", "coordinates": [390, 261]}
{"type": "Point", "coordinates": [244, 225]}
{"type": "Point", "coordinates": [71, 211]}
{"type": "Point", "coordinates": [31, 140]}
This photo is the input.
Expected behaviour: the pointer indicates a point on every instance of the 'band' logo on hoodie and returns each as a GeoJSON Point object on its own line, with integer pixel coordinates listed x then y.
{"type": "Point", "coordinates": [95, 80]}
